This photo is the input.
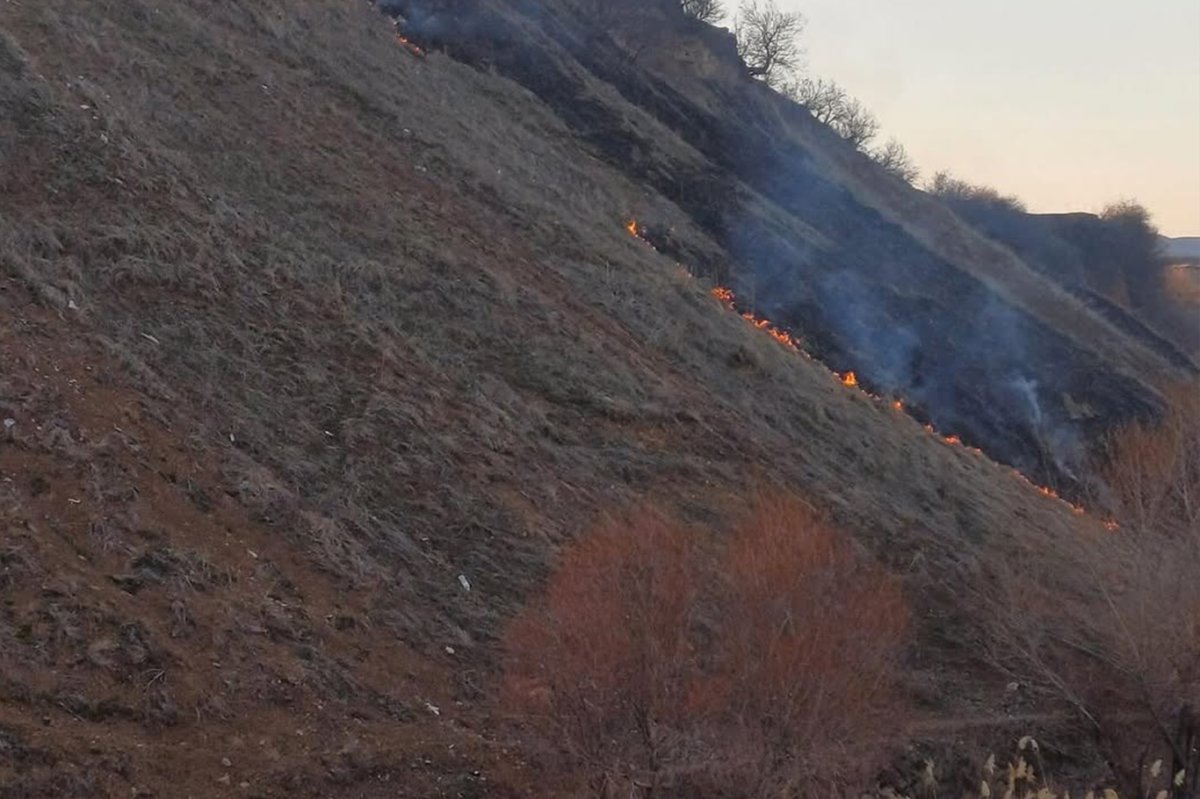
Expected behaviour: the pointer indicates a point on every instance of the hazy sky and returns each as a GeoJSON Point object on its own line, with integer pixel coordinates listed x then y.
{"type": "Point", "coordinates": [1068, 104]}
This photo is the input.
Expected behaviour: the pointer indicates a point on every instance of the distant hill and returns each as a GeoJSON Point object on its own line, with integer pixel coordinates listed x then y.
{"type": "Point", "coordinates": [1185, 248]}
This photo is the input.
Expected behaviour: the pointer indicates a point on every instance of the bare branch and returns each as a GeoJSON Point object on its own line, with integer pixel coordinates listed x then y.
{"type": "Point", "coordinates": [768, 40]}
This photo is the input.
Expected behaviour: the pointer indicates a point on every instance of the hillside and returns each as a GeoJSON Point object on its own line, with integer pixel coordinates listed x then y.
{"type": "Point", "coordinates": [813, 235]}
{"type": "Point", "coordinates": [318, 346]}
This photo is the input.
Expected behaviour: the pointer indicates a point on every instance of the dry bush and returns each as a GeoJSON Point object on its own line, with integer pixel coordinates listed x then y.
{"type": "Point", "coordinates": [808, 656]}
{"type": "Point", "coordinates": [603, 663]}
{"type": "Point", "coordinates": [1110, 621]}
{"type": "Point", "coordinates": [768, 673]}
{"type": "Point", "coordinates": [1025, 774]}
{"type": "Point", "coordinates": [1153, 472]}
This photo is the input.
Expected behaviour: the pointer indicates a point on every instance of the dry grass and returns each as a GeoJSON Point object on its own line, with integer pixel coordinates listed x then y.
{"type": "Point", "coordinates": [1024, 775]}
{"type": "Point", "coordinates": [390, 304]}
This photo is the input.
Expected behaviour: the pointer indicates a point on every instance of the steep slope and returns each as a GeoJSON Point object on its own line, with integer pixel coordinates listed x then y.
{"type": "Point", "coordinates": [878, 277]}
{"type": "Point", "coordinates": [315, 348]}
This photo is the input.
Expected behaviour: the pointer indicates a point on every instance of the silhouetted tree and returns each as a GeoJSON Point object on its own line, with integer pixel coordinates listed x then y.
{"type": "Point", "coordinates": [768, 40]}
{"type": "Point", "coordinates": [953, 190]}
{"type": "Point", "coordinates": [895, 159]}
{"type": "Point", "coordinates": [710, 11]}
{"type": "Point", "coordinates": [830, 104]}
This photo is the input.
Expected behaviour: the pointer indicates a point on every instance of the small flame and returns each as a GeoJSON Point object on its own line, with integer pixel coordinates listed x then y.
{"type": "Point", "coordinates": [727, 298]}
{"type": "Point", "coordinates": [410, 45]}
{"type": "Point", "coordinates": [724, 295]}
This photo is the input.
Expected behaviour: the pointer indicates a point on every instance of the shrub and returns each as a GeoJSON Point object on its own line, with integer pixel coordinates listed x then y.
{"type": "Point", "coordinates": [808, 657]}
{"type": "Point", "coordinates": [1110, 621]}
{"type": "Point", "coordinates": [768, 672]}
{"type": "Point", "coordinates": [602, 664]}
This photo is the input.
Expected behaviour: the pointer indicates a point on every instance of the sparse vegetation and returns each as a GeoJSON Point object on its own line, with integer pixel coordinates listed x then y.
{"type": "Point", "coordinates": [829, 103]}
{"type": "Point", "coordinates": [1024, 774]}
{"type": "Point", "coordinates": [956, 191]}
{"type": "Point", "coordinates": [1107, 623]}
{"type": "Point", "coordinates": [894, 157]}
{"type": "Point", "coordinates": [780, 681]}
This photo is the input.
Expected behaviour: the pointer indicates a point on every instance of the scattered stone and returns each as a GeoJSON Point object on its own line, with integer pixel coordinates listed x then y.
{"type": "Point", "coordinates": [223, 779]}
{"type": "Point", "coordinates": [226, 762]}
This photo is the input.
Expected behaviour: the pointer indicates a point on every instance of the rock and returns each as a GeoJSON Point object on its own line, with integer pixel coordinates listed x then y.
{"type": "Point", "coordinates": [223, 779]}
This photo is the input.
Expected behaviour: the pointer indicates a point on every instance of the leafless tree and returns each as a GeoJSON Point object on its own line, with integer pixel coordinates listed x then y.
{"type": "Point", "coordinates": [710, 11]}
{"type": "Point", "coordinates": [857, 125]}
{"type": "Point", "coordinates": [1105, 621]}
{"type": "Point", "coordinates": [823, 98]}
{"type": "Point", "coordinates": [769, 40]}
{"type": "Point", "coordinates": [895, 159]}
{"type": "Point", "coordinates": [954, 190]}
{"type": "Point", "coordinates": [829, 103]}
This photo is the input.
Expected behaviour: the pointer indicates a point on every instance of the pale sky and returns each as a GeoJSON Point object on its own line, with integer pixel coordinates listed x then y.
{"type": "Point", "coordinates": [1068, 104]}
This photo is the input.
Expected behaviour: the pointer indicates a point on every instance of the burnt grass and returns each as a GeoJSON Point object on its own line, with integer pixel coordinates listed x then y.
{"type": "Point", "coordinates": [297, 329]}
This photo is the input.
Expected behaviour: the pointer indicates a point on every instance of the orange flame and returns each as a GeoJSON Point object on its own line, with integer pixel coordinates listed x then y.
{"type": "Point", "coordinates": [724, 295]}
{"type": "Point", "coordinates": [850, 379]}
{"type": "Point", "coordinates": [409, 45]}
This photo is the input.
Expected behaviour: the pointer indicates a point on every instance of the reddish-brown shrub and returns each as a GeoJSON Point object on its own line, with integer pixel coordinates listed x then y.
{"type": "Point", "coordinates": [808, 655]}
{"type": "Point", "coordinates": [602, 664]}
{"type": "Point", "coordinates": [770, 672]}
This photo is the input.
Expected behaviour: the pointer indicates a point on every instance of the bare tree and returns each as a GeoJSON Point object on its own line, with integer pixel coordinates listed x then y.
{"type": "Point", "coordinates": [823, 98]}
{"type": "Point", "coordinates": [829, 103]}
{"type": "Point", "coordinates": [857, 125]}
{"type": "Point", "coordinates": [895, 159]}
{"type": "Point", "coordinates": [710, 11]}
{"type": "Point", "coordinates": [1106, 621]}
{"type": "Point", "coordinates": [768, 40]}
{"type": "Point", "coordinates": [955, 191]}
